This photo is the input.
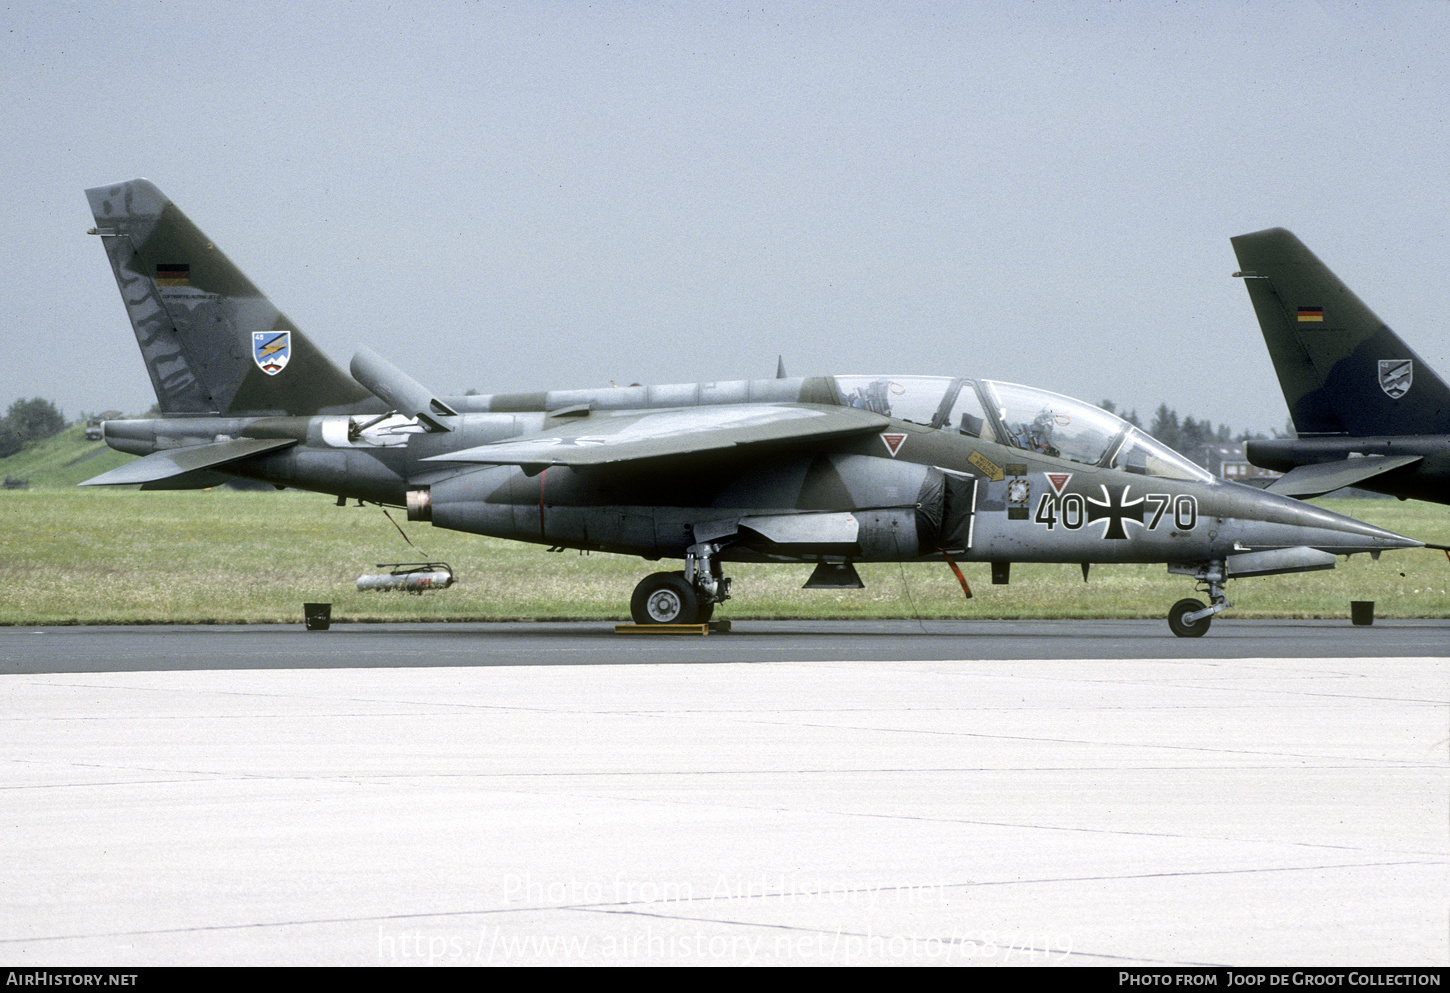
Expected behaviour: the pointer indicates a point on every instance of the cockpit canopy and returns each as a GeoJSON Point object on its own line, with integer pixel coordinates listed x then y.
{"type": "Point", "coordinates": [1021, 417]}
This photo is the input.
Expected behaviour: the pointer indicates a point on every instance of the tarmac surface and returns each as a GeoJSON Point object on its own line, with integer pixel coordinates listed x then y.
{"type": "Point", "coordinates": [976, 793]}
{"type": "Point", "coordinates": [352, 645]}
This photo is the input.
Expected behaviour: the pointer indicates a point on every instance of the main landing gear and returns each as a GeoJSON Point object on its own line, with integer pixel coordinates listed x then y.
{"type": "Point", "coordinates": [687, 597]}
{"type": "Point", "coordinates": [1189, 618]}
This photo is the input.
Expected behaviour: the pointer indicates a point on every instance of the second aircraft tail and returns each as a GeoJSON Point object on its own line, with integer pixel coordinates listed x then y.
{"type": "Point", "coordinates": [1342, 370]}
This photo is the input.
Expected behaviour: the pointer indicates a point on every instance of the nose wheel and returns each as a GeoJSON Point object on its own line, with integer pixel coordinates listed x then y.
{"type": "Point", "coordinates": [1189, 618]}
{"type": "Point", "coordinates": [1188, 629]}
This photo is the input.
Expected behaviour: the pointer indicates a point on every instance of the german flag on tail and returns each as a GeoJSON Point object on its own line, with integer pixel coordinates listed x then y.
{"type": "Point", "coordinates": [173, 274]}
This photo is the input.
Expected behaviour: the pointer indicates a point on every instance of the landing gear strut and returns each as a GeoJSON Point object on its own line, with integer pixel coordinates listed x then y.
{"type": "Point", "coordinates": [687, 597]}
{"type": "Point", "coordinates": [1189, 618]}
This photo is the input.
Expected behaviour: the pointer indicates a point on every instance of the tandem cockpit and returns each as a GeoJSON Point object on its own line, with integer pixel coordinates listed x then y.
{"type": "Point", "coordinates": [1020, 417]}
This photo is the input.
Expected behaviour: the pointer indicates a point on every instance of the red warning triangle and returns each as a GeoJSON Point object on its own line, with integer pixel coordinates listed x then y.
{"type": "Point", "coordinates": [1058, 481]}
{"type": "Point", "coordinates": [893, 442]}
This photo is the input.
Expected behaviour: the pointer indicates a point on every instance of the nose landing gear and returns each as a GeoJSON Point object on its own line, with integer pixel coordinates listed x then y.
{"type": "Point", "coordinates": [1189, 618]}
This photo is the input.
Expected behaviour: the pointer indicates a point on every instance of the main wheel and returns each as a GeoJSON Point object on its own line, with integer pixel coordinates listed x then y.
{"type": "Point", "coordinates": [1182, 628]}
{"type": "Point", "coordinates": [665, 598]}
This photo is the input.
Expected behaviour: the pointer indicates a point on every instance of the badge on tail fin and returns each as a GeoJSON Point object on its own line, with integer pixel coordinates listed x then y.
{"type": "Point", "coordinates": [271, 350]}
{"type": "Point", "coordinates": [1396, 375]}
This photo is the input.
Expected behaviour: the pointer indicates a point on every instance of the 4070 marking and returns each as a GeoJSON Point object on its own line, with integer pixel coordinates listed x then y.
{"type": "Point", "coordinates": [1073, 511]}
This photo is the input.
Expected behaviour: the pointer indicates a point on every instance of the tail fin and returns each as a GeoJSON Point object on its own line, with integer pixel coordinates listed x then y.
{"type": "Point", "coordinates": [212, 342]}
{"type": "Point", "coordinates": [1342, 370]}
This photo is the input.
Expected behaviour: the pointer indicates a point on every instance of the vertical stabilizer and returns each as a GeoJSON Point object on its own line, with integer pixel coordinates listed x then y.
{"type": "Point", "coordinates": [1342, 370]}
{"type": "Point", "coordinates": [212, 343]}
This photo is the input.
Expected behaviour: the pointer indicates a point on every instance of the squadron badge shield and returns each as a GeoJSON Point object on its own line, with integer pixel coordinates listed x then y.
{"type": "Point", "coordinates": [271, 350]}
{"type": "Point", "coordinates": [1396, 376]}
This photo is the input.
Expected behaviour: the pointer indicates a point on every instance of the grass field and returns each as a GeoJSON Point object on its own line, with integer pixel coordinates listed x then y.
{"type": "Point", "coordinates": [93, 556]}
{"type": "Point", "coordinates": [62, 461]}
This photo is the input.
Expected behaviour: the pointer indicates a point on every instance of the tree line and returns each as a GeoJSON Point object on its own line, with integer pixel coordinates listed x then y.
{"type": "Point", "coordinates": [1185, 435]}
{"type": "Point", "coordinates": [26, 421]}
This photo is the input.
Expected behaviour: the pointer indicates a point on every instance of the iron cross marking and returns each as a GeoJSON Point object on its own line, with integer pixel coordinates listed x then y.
{"type": "Point", "coordinates": [1116, 510]}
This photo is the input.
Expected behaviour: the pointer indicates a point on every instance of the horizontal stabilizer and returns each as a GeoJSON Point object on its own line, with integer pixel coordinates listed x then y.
{"type": "Point", "coordinates": [1324, 477]}
{"type": "Point", "coordinates": [179, 461]}
{"type": "Point", "coordinates": [201, 479]}
{"type": "Point", "coordinates": [603, 438]}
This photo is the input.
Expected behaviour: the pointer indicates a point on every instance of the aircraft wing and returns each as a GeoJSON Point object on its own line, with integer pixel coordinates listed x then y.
{"type": "Point", "coordinates": [600, 438]}
{"type": "Point", "coordinates": [1323, 477]}
{"type": "Point", "coordinates": [181, 461]}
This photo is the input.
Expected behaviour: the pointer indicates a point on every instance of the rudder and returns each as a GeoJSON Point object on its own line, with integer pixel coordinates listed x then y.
{"type": "Point", "coordinates": [212, 342]}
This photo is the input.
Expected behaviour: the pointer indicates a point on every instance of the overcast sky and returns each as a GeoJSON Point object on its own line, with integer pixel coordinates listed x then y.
{"type": "Point", "coordinates": [556, 195]}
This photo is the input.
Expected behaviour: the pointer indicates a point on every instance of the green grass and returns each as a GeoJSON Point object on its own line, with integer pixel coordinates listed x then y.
{"type": "Point", "coordinates": [93, 556]}
{"type": "Point", "coordinates": [63, 460]}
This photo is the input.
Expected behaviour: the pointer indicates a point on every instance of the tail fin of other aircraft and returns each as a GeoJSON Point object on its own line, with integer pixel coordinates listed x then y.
{"type": "Point", "coordinates": [212, 342]}
{"type": "Point", "coordinates": [1342, 370]}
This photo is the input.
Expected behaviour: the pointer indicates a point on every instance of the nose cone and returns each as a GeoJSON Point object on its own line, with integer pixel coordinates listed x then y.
{"type": "Point", "coordinates": [1264, 521]}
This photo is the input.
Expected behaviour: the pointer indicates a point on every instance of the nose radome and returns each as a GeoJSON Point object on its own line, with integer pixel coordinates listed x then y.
{"type": "Point", "coordinates": [1284, 522]}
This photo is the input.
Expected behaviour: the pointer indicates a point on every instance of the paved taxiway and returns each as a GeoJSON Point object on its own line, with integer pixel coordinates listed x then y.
{"type": "Point", "coordinates": [148, 648]}
{"type": "Point", "coordinates": [1078, 792]}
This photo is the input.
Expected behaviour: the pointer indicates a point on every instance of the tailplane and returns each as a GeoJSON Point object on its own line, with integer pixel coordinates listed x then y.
{"type": "Point", "coordinates": [212, 343]}
{"type": "Point", "coordinates": [1342, 370]}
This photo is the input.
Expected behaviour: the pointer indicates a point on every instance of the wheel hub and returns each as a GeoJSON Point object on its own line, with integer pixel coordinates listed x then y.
{"type": "Point", "coordinates": [664, 606]}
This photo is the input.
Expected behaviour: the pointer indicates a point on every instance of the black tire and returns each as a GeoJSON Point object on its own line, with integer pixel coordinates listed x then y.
{"type": "Point", "coordinates": [665, 598]}
{"type": "Point", "coordinates": [1178, 626]}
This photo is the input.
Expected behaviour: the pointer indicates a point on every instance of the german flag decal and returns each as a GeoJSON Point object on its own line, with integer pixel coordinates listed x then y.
{"type": "Point", "coordinates": [1311, 315]}
{"type": "Point", "coordinates": [173, 274]}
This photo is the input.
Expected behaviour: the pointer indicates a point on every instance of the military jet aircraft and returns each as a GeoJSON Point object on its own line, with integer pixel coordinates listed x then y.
{"type": "Point", "coordinates": [1367, 410]}
{"type": "Point", "coordinates": [828, 470]}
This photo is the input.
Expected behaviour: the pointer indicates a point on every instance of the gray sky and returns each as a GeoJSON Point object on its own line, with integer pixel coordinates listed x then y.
{"type": "Point", "coordinates": [525, 196]}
